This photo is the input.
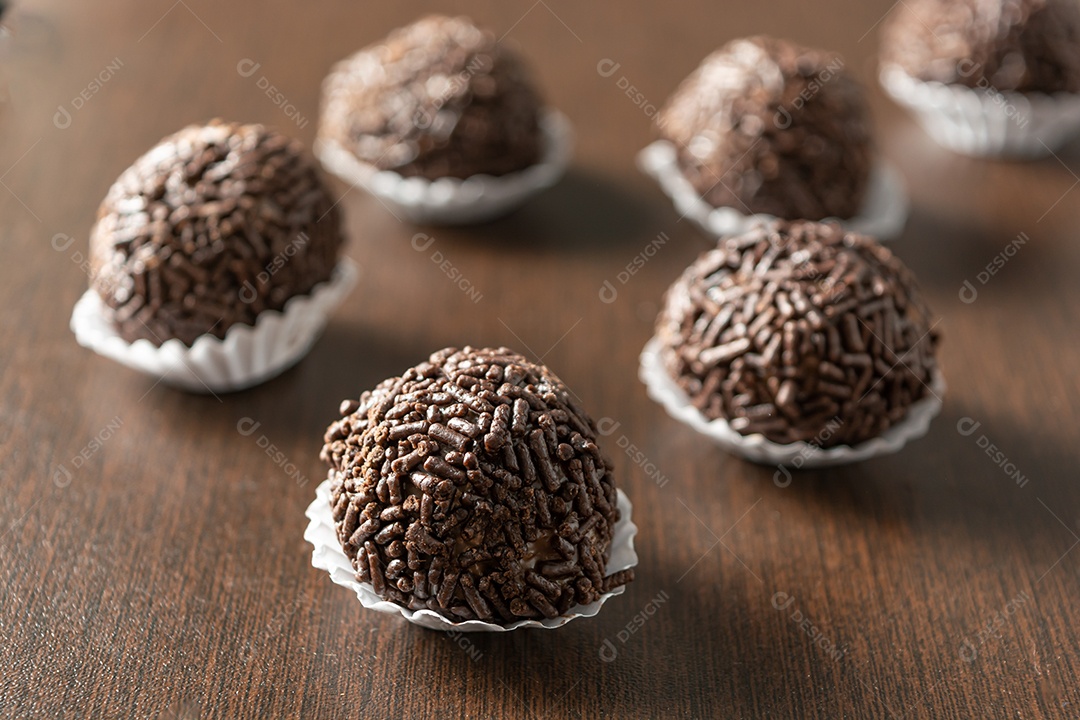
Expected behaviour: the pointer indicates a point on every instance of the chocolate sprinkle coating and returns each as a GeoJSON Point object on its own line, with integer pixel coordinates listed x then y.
{"type": "Point", "coordinates": [211, 227]}
{"type": "Point", "coordinates": [473, 486]}
{"type": "Point", "coordinates": [766, 126]}
{"type": "Point", "coordinates": [1010, 45]}
{"type": "Point", "coordinates": [801, 332]}
{"type": "Point", "coordinates": [438, 98]}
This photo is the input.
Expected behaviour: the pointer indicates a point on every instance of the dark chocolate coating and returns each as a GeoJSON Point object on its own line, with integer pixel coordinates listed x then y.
{"type": "Point", "coordinates": [801, 332]}
{"type": "Point", "coordinates": [766, 126]}
{"type": "Point", "coordinates": [438, 98]}
{"type": "Point", "coordinates": [473, 486]}
{"type": "Point", "coordinates": [211, 227]}
{"type": "Point", "coordinates": [1017, 45]}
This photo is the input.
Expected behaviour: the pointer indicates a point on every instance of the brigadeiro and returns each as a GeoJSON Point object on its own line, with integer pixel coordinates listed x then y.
{"type": "Point", "coordinates": [766, 127]}
{"type": "Point", "coordinates": [441, 121]}
{"type": "Point", "coordinates": [471, 488]}
{"type": "Point", "coordinates": [798, 339]}
{"type": "Point", "coordinates": [215, 259]}
{"type": "Point", "coordinates": [987, 77]}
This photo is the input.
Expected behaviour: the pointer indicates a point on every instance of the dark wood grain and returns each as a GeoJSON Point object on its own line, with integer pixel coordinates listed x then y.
{"type": "Point", "coordinates": [168, 576]}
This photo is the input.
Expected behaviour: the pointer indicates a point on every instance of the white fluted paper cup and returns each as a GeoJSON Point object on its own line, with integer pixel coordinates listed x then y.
{"type": "Point", "coordinates": [757, 448]}
{"type": "Point", "coordinates": [329, 556]}
{"type": "Point", "coordinates": [984, 122]}
{"type": "Point", "coordinates": [883, 214]}
{"type": "Point", "coordinates": [453, 201]}
{"type": "Point", "coordinates": [246, 356]}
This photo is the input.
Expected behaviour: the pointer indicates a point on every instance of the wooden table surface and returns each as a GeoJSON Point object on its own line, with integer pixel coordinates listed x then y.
{"type": "Point", "coordinates": [152, 562]}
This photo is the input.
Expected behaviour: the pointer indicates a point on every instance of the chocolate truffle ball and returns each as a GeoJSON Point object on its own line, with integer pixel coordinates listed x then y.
{"type": "Point", "coordinates": [1020, 45]}
{"type": "Point", "coordinates": [211, 227]}
{"type": "Point", "coordinates": [472, 485]}
{"type": "Point", "coordinates": [438, 98]}
{"type": "Point", "coordinates": [765, 126]}
{"type": "Point", "coordinates": [801, 332]}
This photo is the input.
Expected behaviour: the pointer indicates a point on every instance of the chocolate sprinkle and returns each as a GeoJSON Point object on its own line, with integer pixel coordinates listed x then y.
{"type": "Point", "coordinates": [211, 227]}
{"type": "Point", "coordinates": [801, 332]}
{"type": "Point", "coordinates": [438, 98]}
{"type": "Point", "coordinates": [766, 126]}
{"type": "Point", "coordinates": [1020, 45]}
{"type": "Point", "coordinates": [501, 523]}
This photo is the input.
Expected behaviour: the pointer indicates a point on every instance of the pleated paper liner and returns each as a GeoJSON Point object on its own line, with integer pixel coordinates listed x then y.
{"type": "Point", "coordinates": [329, 556]}
{"type": "Point", "coordinates": [757, 448]}
{"type": "Point", "coordinates": [246, 356]}
{"type": "Point", "coordinates": [984, 122]}
{"type": "Point", "coordinates": [883, 215]}
{"type": "Point", "coordinates": [453, 201]}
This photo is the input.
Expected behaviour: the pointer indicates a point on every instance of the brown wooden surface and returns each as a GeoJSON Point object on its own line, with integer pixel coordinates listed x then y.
{"type": "Point", "coordinates": [168, 576]}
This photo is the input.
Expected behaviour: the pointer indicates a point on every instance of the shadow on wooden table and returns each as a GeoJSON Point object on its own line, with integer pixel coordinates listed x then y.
{"type": "Point", "coordinates": [986, 478]}
{"type": "Point", "coordinates": [584, 212]}
{"type": "Point", "coordinates": [610, 665]}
